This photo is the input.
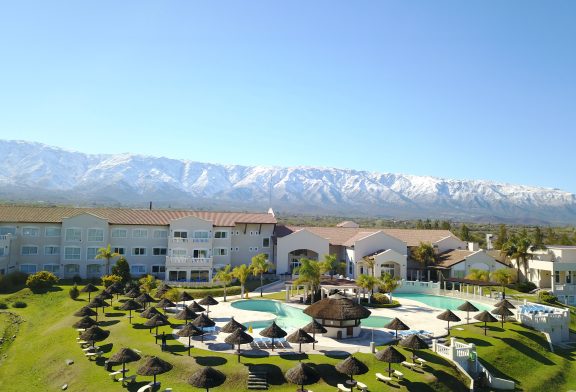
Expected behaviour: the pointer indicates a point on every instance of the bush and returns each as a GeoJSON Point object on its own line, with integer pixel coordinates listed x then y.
{"type": "Point", "coordinates": [76, 279]}
{"type": "Point", "coordinates": [172, 294]}
{"type": "Point", "coordinates": [19, 304]}
{"type": "Point", "coordinates": [109, 280]}
{"type": "Point", "coordinates": [3, 305]}
{"type": "Point", "coordinates": [380, 298]}
{"type": "Point", "coordinates": [525, 287]}
{"type": "Point", "coordinates": [41, 281]}
{"type": "Point", "coordinates": [545, 296]}
{"type": "Point", "coordinates": [74, 292]}
{"type": "Point", "coordinates": [12, 282]}
{"type": "Point", "coordinates": [148, 283]}
{"type": "Point", "coordinates": [122, 269]}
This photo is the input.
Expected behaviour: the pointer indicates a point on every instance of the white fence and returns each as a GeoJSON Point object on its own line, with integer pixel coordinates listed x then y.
{"type": "Point", "coordinates": [415, 286]}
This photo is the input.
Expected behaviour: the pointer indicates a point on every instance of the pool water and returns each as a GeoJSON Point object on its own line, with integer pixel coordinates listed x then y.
{"type": "Point", "coordinates": [289, 317]}
{"type": "Point", "coordinates": [438, 301]}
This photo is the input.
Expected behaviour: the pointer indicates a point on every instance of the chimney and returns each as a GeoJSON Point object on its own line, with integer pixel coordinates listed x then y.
{"type": "Point", "coordinates": [473, 246]}
{"type": "Point", "coordinates": [150, 206]}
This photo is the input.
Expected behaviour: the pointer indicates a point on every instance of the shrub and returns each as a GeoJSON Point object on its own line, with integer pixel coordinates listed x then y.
{"type": "Point", "coordinates": [380, 298]}
{"type": "Point", "coordinates": [148, 283]}
{"type": "Point", "coordinates": [545, 296]}
{"type": "Point", "coordinates": [172, 294]}
{"type": "Point", "coordinates": [12, 282]}
{"type": "Point", "coordinates": [525, 287]}
{"type": "Point", "coordinates": [41, 281]}
{"type": "Point", "coordinates": [76, 279]}
{"type": "Point", "coordinates": [74, 292]}
{"type": "Point", "coordinates": [3, 305]}
{"type": "Point", "coordinates": [109, 280]}
{"type": "Point", "coordinates": [19, 304]}
{"type": "Point", "coordinates": [122, 269]}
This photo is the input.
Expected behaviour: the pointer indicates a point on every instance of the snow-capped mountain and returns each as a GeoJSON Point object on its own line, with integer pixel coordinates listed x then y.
{"type": "Point", "coordinates": [37, 172]}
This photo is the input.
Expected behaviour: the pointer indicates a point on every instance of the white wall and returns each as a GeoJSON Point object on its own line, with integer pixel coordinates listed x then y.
{"type": "Point", "coordinates": [302, 239]}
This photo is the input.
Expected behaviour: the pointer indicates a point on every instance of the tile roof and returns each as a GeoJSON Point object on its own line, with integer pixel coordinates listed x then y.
{"type": "Point", "coordinates": [452, 257]}
{"type": "Point", "coordinates": [127, 216]}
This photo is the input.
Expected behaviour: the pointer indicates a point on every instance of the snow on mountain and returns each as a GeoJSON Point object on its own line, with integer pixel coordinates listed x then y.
{"type": "Point", "coordinates": [34, 171]}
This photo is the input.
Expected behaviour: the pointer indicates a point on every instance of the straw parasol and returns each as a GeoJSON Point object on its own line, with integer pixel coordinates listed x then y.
{"type": "Point", "coordinates": [160, 291]}
{"type": "Point", "coordinates": [156, 321]}
{"type": "Point", "coordinates": [351, 366]}
{"type": "Point", "coordinates": [207, 301]}
{"type": "Point", "coordinates": [302, 374]}
{"type": "Point", "coordinates": [468, 307]}
{"type": "Point", "coordinates": [165, 303]}
{"type": "Point", "coordinates": [232, 326]}
{"type": "Point", "coordinates": [89, 288]}
{"type": "Point", "coordinates": [188, 331]}
{"type": "Point", "coordinates": [144, 299]}
{"type": "Point", "coordinates": [98, 303]}
{"type": "Point", "coordinates": [397, 325]}
{"type": "Point", "coordinates": [185, 296]}
{"type": "Point", "coordinates": [115, 288]}
{"type": "Point", "coordinates": [506, 303]}
{"type": "Point", "coordinates": [185, 314]}
{"type": "Point", "coordinates": [134, 293]}
{"type": "Point", "coordinates": [207, 377]}
{"type": "Point", "coordinates": [273, 332]}
{"type": "Point", "coordinates": [203, 321]}
{"type": "Point", "coordinates": [124, 356]}
{"type": "Point", "coordinates": [130, 305]}
{"type": "Point", "coordinates": [150, 312]}
{"type": "Point", "coordinates": [314, 327]}
{"type": "Point", "coordinates": [390, 355]}
{"type": "Point", "coordinates": [448, 315]}
{"type": "Point", "coordinates": [153, 367]}
{"type": "Point", "coordinates": [104, 295]}
{"type": "Point", "coordinates": [86, 311]}
{"type": "Point", "coordinates": [195, 307]}
{"type": "Point", "coordinates": [84, 323]}
{"type": "Point", "coordinates": [503, 312]}
{"type": "Point", "coordinates": [238, 337]}
{"type": "Point", "coordinates": [300, 336]}
{"type": "Point", "coordinates": [94, 334]}
{"type": "Point", "coordinates": [414, 342]}
{"type": "Point", "coordinates": [486, 317]}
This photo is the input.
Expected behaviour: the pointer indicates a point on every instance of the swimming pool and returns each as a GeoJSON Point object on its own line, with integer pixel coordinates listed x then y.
{"type": "Point", "coordinates": [289, 317]}
{"type": "Point", "coordinates": [438, 301]}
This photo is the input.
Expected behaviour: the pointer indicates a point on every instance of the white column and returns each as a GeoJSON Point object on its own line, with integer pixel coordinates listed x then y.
{"type": "Point", "coordinates": [287, 293]}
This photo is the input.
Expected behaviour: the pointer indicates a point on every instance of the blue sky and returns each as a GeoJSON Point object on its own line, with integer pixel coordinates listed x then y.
{"type": "Point", "coordinates": [457, 89]}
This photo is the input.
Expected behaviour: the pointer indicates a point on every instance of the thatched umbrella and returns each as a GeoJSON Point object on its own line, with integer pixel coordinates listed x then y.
{"type": "Point", "coordinates": [468, 307]}
{"type": "Point", "coordinates": [134, 293]}
{"type": "Point", "coordinates": [188, 331]}
{"type": "Point", "coordinates": [207, 377]}
{"type": "Point", "coordinates": [207, 301]}
{"type": "Point", "coordinates": [414, 342]}
{"type": "Point", "coordinates": [302, 374]}
{"type": "Point", "coordinates": [351, 366]}
{"type": "Point", "coordinates": [314, 327]}
{"type": "Point", "coordinates": [300, 336]}
{"type": "Point", "coordinates": [153, 367]}
{"type": "Point", "coordinates": [397, 325]}
{"type": "Point", "coordinates": [115, 288]}
{"type": "Point", "coordinates": [232, 326]}
{"type": "Point", "coordinates": [94, 334]}
{"type": "Point", "coordinates": [506, 304]}
{"type": "Point", "coordinates": [448, 315]}
{"type": "Point", "coordinates": [86, 311]}
{"type": "Point", "coordinates": [160, 291]}
{"type": "Point", "coordinates": [195, 307]}
{"type": "Point", "coordinates": [98, 303]}
{"type": "Point", "coordinates": [144, 299]}
{"type": "Point", "coordinates": [165, 303]}
{"type": "Point", "coordinates": [238, 337]}
{"type": "Point", "coordinates": [89, 288]}
{"type": "Point", "coordinates": [486, 317]}
{"type": "Point", "coordinates": [84, 323]}
{"type": "Point", "coordinates": [185, 314]}
{"type": "Point", "coordinates": [130, 305]}
{"type": "Point", "coordinates": [203, 321]}
{"type": "Point", "coordinates": [503, 312]}
{"type": "Point", "coordinates": [124, 356]}
{"type": "Point", "coordinates": [273, 332]}
{"type": "Point", "coordinates": [150, 312]}
{"type": "Point", "coordinates": [390, 355]}
{"type": "Point", "coordinates": [104, 295]}
{"type": "Point", "coordinates": [156, 321]}
{"type": "Point", "coordinates": [185, 296]}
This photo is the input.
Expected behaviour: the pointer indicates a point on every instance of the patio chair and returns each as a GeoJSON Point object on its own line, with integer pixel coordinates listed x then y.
{"type": "Point", "coordinates": [96, 354]}
{"type": "Point", "coordinates": [421, 361]}
{"type": "Point", "coordinates": [130, 379]}
{"type": "Point", "coordinates": [343, 388]}
{"type": "Point", "coordinates": [398, 375]}
{"type": "Point", "coordinates": [409, 365]}
{"type": "Point", "coordinates": [361, 386]}
{"type": "Point", "coordinates": [114, 374]}
{"type": "Point", "coordinates": [147, 387]}
{"type": "Point", "coordinates": [383, 378]}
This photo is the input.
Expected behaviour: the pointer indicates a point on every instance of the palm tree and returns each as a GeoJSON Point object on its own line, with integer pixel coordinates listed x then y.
{"type": "Point", "coordinates": [241, 272]}
{"type": "Point", "coordinates": [367, 282]}
{"type": "Point", "coordinates": [107, 254]}
{"type": "Point", "coordinates": [370, 264]}
{"type": "Point", "coordinates": [520, 248]}
{"type": "Point", "coordinates": [260, 265]}
{"type": "Point", "coordinates": [309, 272]}
{"type": "Point", "coordinates": [503, 276]}
{"type": "Point", "coordinates": [330, 264]}
{"type": "Point", "coordinates": [388, 283]}
{"type": "Point", "coordinates": [425, 254]}
{"type": "Point", "coordinates": [478, 274]}
{"type": "Point", "coordinates": [225, 276]}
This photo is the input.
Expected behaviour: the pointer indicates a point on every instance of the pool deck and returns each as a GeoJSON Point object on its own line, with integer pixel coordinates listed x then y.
{"type": "Point", "coordinates": [414, 314]}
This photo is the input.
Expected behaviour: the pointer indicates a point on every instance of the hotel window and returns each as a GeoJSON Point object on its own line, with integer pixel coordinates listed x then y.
{"type": "Point", "coordinates": [200, 253]}
{"type": "Point", "coordinates": [557, 276]}
{"type": "Point", "coordinates": [28, 268]}
{"type": "Point", "coordinates": [180, 234]}
{"type": "Point", "coordinates": [73, 235]}
{"type": "Point", "coordinates": [266, 242]}
{"type": "Point", "coordinates": [138, 269]}
{"type": "Point", "coordinates": [54, 268]}
{"type": "Point", "coordinates": [1, 253]}
{"type": "Point", "coordinates": [201, 234]}
{"type": "Point", "coordinates": [91, 253]}
{"type": "Point", "coordinates": [93, 269]}
{"type": "Point", "coordinates": [119, 233]}
{"type": "Point", "coordinates": [7, 230]}
{"type": "Point", "coordinates": [178, 252]}
{"type": "Point", "coordinates": [95, 235]}
{"type": "Point", "coordinates": [71, 253]}
{"type": "Point", "coordinates": [30, 232]}
{"type": "Point", "coordinates": [71, 269]}
{"type": "Point", "coordinates": [158, 269]}
{"type": "Point", "coordinates": [140, 233]}
{"type": "Point", "coordinates": [221, 234]}
{"type": "Point", "coordinates": [120, 250]}
{"type": "Point", "coordinates": [29, 250]}
{"type": "Point", "coordinates": [159, 251]}
{"type": "Point", "coordinates": [51, 250]}
{"type": "Point", "coordinates": [160, 233]}
{"type": "Point", "coordinates": [52, 232]}
{"type": "Point", "coordinates": [138, 251]}
{"type": "Point", "coordinates": [220, 252]}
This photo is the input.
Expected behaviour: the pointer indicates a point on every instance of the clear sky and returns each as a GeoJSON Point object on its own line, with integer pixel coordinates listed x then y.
{"type": "Point", "coordinates": [457, 89]}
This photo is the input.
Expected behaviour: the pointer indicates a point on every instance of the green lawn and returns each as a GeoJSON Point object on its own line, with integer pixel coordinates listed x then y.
{"type": "Point", "coordinates": [35, 361]}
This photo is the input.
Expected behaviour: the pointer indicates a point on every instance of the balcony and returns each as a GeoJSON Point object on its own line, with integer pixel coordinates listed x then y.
{"type": "Point", "coordinates": [565, 289]}
{"type": "Point", "coordinates": [175, 261]}
{"type": "Point", "coordinates": [178, 240]}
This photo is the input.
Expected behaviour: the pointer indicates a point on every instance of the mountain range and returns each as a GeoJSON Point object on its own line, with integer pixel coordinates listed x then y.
{"type": "Point", "coordinates": [34, 172]}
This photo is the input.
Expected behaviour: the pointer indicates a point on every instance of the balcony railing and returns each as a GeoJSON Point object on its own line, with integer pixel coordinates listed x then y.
{"type": "Point", "coordinates": [178, 240]}
{"type": "Point", "coordinates": [5, 237]}
{"type": "Point", "coordinates": [192, 261]}
{"type": "Point", "coordinates": [565, 289]}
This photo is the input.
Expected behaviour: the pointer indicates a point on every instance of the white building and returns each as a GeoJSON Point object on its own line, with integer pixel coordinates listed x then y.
{"type": "Point", "coordinates": [458, 263]}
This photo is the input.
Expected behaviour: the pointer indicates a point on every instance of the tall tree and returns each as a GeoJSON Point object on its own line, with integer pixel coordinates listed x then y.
{"type": "Point", "coordinates": [260, 265]}
{"type": "Point", "coordinates": [122, 269]}
{"type": "Point", "coordinates": [445, 225]}
{"type": "Point", "coordinates": [330, 264]}
{"type": "Point", "coordinates": [518, 248]}
{"type": "Point", "coordinates": [241, 272]}
{"type": "Point", "coordinates": [107, 254]}
{"type": "Point", "coordinates": [503, 276]}
{"type": "Point", "coordinates": [309, 273]}
{"type": "Point", "coordinates": [225, 276]}
{"type": "Point", "coordinates": [465, 233]}
{"type": "Point", "coordinates": [501, 237]}
{"type": "Point", "coordinates": [425, 254]}
{"type": "Point", "coordinates": [478, 274]}
{"type": "Point", "coordinates": [367, 282]}
{"type": "Point", "coordinates": [538, 237]}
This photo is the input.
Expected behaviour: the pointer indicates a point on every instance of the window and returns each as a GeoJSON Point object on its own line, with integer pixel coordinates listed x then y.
{"type": "Point", "coordinates": [160, 233]}
{"type": "Point", "coordinates": [93, 269]}
{"type": "Point", "coordinates": [221, 234]}
{"type": "Point", "coordinates": [180, 234]}
{"type": "Point", "coordinates": [54, 268]}
{"type": "Point", "coordinates": [1, 252]}
{"type": "Point", "coordinates": [70, 269]}
{"type": "Point", "coordinates": [201, 234]}
{"type": "Point", "coordinates": [138, 251]}
{"type": "Point", "coordinates": [73, 235]}
{"type": "Point", "coordinates": [119, 233]}
{"type": "Point", "coordinates": [138, 269]}
{"type": "Point", "coordinates": [95, 235]}
{"type": "Point", "coordinates": [71, 253]}
{"type": "Point", "coordinates": [220, 252]}
{"type": "Point", "coordinates": [51, 250]}
{"type": "Point", "coordinates": [200, 253]}
{"type": "Point", "coordinates": [7, 230]}
{"type": "Point", "coordinates": [158, 269]}
{"type": "Point", "coordinates": [178, 252]}
{"type": "Point", "coordinates": [30, 232]}
{"type": "Point", "coordinates": [28, 268]}
{"type": "Point", "coordinates": [159, 251]}
{"type": "Point", "coordinates": [52, 232]}
{"type": "Point", "coordinates": [91, 253]}
{"type": "Point", "coordinates": [140, 233]}
{"type": "Point", "coordinates": [557, 276]}
{"type": "Point", "coordinates": [266, 242]}
{"type": "Point", "coordinates": [29, 250]}
{"type": "Point", "coordinates": [120, 250]}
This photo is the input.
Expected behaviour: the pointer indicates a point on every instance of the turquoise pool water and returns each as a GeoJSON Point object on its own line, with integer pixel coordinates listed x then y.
{"type": "Point", "coordinates": [438, 301]}
{"type": "Point", "coordinates": [289, 317]}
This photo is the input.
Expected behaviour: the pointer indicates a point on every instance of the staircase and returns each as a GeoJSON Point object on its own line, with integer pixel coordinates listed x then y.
{"type": "Point", "coordinates": [257, 380]}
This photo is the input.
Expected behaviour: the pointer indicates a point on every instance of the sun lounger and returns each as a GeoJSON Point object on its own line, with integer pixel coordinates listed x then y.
{"type": "Point", "coordinates": [342, 388]}
{"type": "Point", "coordinates": [131, 378]}
{"type": "Point", "coordinates": [91, 348]}
{"type": "Point", "coordinates": [398, 375]}
{"type": "Point", "coordinates": [114, 374]}
{"type": "Point", "coordinates": [96, 354]}
{"type": "Point", "coordinates": [168, 390]}
{"type": "Point", "coordinates": [361, 386]}
{"type": "Point", "coordinates": [421, 361]}
{"type": "Point", "coordinates": [81, 342]}
{"type": "Point", "coordinates": [147, 387]}
{"type": "Point", "coordinates": [383, 378]}
{"type": "Point", "coordinates": [409, 365]}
